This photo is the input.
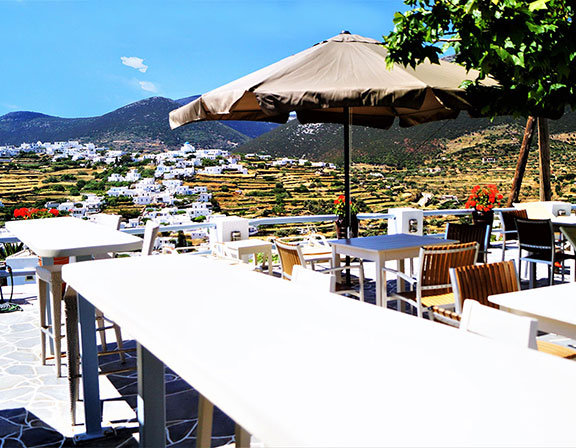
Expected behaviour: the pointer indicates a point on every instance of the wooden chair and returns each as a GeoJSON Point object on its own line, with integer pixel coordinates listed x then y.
{"type": "Point", "coordinates": [467, 233]}
{"type": "Point", "coordinates": [433, 287]}
{"type": "Point", "coordinates": [291, 255]}
{"type": "Point", "coordinates": [509, 231]}
{"type": "Point", "coordinates": [498, 325]}
{"type": "Point", "coordinates": [536, 237]}
{"type": "Point", "coordinates": [477, 283]}
{"type": "Point", "coordinates": [316, 249]}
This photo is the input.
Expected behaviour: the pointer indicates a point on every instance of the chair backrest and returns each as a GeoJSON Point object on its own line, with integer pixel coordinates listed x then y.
{"type": "Point", "coordinates": [290, 255]}
{"type": "Point", "coordinates": [508, 220]}
{"type": "Point", "coordinates": [316, 239]}
{"type": "Point", "coordinates": [536, 235]}
{"type": "Point", "coordinates": [313, 280]}
{"type": "Point", "coordinates": [468, 233]}
{"type": "Point", "coordinates": [150, 234]}
{"type": "Point", "coordinates": [480, 281]}
{"type": "Point", "coordinates": [499, 325]}
{"type": "Point", "coordinates": [112, 221]}
{"type": "Point", "coordinates": [435, 262]}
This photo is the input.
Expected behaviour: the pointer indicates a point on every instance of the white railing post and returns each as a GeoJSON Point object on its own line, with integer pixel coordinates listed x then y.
{"type": "Point", "coordinates": [227, 228]}
{"type": "Point", "coordinates": [406, 220]}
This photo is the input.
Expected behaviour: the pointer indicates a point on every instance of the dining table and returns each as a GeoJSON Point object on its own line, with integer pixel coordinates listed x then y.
{"type": "Point", "coordinates": [553, 306]}
{"type": "Point", "coordinates": [297, 367]}
{"type": "Point", "coordinates": [80, 240]}
{"type": "Point", "coordinates": [568, 221]}
{"type": "Point", "coordinates": [383, 248]}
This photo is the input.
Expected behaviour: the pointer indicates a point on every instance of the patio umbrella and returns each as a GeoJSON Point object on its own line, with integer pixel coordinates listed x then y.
{"type": "Point", "coordinates": [345, 80]}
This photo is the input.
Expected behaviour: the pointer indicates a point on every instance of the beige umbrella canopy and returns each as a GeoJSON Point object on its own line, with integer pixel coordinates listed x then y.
{"type": "Point", "coordinates": [344, 79]}
{"type": "Point", "coordinates": [345, 71]}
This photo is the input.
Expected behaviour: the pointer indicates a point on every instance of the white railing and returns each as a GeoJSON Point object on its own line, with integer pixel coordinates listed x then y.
{"type": "Point", "coordinates": [5, 237]}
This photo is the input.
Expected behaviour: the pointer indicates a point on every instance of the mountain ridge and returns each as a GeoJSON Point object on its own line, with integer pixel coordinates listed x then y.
{"type": "Point", "coordinates": [139, 125]}
{"type": "Point", "coordinates": [143, 125]}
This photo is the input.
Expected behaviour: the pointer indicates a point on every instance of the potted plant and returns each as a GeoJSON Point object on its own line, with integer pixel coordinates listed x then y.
{"type": "Point", "coordinates": [339, 209]}
{"type": "Point", "coordinates": [482, 201]}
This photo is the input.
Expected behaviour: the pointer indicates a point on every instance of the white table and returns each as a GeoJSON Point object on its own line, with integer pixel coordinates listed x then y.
{"type": "Point", "coordinates": [301, 369]}
{"type": "Point", "coordinates": [553, 306]}
{"type": "Point", "coordinates": [568, 221]}
{"type": "Point", "coordinates": [71, 237]}
{"type": "Point", "coordinates": [380, 249]}
{"type": "Point", "coordinates": [243, 248]}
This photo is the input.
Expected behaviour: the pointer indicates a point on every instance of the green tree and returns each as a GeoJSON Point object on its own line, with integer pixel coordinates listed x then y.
{"type": "Point", "coordinates": [527, 46]}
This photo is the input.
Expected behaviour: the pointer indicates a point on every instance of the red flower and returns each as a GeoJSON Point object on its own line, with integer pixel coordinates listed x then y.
{"type": "Point", "coordinates": [54, 212]}
{"type": "Point", "coordinates": [484, 198]}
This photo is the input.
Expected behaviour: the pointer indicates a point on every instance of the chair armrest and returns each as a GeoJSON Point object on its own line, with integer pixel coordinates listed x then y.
{"type": "Point", "coordinates": [402, 275]}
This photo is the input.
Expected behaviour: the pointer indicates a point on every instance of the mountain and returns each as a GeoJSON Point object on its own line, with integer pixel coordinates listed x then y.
{"type": "Point", "coordinates": [139, 125]}
{"type": "Point", "coordinates": [395, 146]}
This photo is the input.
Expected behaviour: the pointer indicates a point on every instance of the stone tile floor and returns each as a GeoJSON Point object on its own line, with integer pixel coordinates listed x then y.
{"type": "Point", "coordinates": [34, 404]}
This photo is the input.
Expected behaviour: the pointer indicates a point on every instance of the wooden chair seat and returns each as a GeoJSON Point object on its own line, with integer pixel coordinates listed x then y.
{"type": "Point", "coordinates": [481, 281]}
{"type": "Point", "coordinates": [437, 300]}
{"type": "Point", "coordinates": [556, 349]}
{"type": "Point", "coordinates": [432, 283]}
{"type": "Point", "coordinates": [446, 316]}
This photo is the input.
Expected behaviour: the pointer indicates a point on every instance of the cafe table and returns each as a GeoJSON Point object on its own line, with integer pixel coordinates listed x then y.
{"type": "Point", "coordinates": [244, 248]}
{"type": "Point", "coordinates": [72, 237]}
{"type": "Point", "coordinates": [298, 368]}
{"type": "Point", "coordinates": [383, 248]}
{"type": "Point", "coordinates": [553, 306]}
{"type": "Point", "coordinates": [567, 221]}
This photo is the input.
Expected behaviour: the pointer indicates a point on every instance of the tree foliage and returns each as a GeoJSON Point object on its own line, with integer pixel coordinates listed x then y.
{"type": "Point", "coordinates": [529, 47]}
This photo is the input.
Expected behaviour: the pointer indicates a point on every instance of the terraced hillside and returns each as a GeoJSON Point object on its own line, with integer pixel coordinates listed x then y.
{"type": "Point", "coordinates": [441, 180]}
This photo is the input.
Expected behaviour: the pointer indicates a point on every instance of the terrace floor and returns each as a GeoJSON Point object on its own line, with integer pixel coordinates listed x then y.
{"type": "Point", "coordinates": [34, 404]}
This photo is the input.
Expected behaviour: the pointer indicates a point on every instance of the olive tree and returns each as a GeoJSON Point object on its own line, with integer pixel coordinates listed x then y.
{"type": "Point", "coordinates": [529, 47]}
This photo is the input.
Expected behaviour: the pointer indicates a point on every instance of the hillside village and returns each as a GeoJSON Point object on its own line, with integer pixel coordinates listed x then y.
{"type": "Point", "coordinates": [159, 189]}
{"type": "Point", "coordinates": [191, 183]}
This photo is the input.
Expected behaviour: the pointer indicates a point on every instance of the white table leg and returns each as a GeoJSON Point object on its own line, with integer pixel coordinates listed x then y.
{"type": "Point", "coordinates": [47, 261]}
{"type": "Point", "coordinates": [151, 399]}
{"type": "Point", "coordinates": [269, 255]}
{"type": "Point", "coordinates": [89, 351]}
{"type": "Point", "coordinates": [381, 293]}
{"type": "Point", "coordinates": [92, 409]}
{"type": "Point", "coordinates": [336, 264]}
{"type": "Point", "coordinates": [241, 437]}
{"type": "Point", "coordinates": [205, 419]}
{"type": "Point", "coordinates": [401, 267]}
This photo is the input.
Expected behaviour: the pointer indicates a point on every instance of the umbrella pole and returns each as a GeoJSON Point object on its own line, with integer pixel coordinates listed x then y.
{"type": "Point", "coordinates": [347, 208]}
{"type": "Point", "coordinates": [347, 197]}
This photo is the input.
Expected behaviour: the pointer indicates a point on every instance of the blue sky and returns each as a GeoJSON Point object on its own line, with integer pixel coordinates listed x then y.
{"type": "Point", "coordinates": [86, 58]}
